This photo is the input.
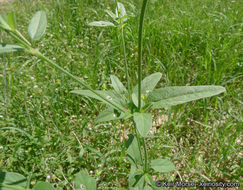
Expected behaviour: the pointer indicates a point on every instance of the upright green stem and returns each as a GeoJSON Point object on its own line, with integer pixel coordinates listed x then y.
{"type": "Point", "coordinates": [145, 156]}
{"type": "Point", "coordinates": [126, 65]}
{"type": "Point", "coordinates": [140, 57]}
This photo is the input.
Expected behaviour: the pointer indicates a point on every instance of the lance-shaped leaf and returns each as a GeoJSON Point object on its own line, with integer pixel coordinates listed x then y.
{"type": "Point", "coordinates": [143, 123]}
{"type": "Point", "coordinates": [4, 23]}
{"type": "Point", "coordinates": [170, 96]}
{"type": "Point", "coordinates": [111, 114]}
{"type": "Point", "coordinates": [12, 20]}
{"type": "Point", "coordinates": [120, 10]}
{"type": "Point", "coordinates": [135, 100]}
{"type": "Point", "coordinates": [101, 23]}
{"type": "Point", "coordinates": [148, 83]}
{"type": "Point", "coordinates": [6, 48]}
{"type": "Point", "coordinates": [84, 182]}
{"type": "Point", "coordinates": [11, 178]}
{"type": "Point", "coordinates": [162, 165]}
{"type": "Point", "coordinates": [133, 150]}
{"type": "Point", "coordinates": [112, 15]}
{"type": "Point", "coordinates": [43, 185]}
{"type": "Point", "coordinates": [117, 85]}
{"type": "Point", "coordinates": [37, 25]}
{"type": "Point", "coordinates": [110, 95]}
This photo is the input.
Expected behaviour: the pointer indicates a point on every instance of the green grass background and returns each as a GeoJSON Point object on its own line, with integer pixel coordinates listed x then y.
{"type": "Point", "coordinates": [189, 42]}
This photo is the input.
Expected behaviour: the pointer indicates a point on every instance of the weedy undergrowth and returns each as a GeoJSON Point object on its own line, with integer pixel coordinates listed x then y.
{"type": "Point", "coordinates": [131, 103]}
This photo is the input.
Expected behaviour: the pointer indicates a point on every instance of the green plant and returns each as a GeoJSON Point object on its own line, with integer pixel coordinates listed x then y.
{"type": "Point", "coordinates": [15, 181]}
{"type": "Point", "coordinates": [134, 103]}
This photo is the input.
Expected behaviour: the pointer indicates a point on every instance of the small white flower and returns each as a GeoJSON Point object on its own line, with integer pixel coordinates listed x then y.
{"type": "Point", "coordinates": [1, 147]}
{"type": "Point", "coordinates": [31, 96]}
{"type": "Point", "coordinates": [53, 58]}
{"type": "Point", "coordinates": [42, 149]}
{"type": "Point", "coordinates": [26, 151]}
{"type": "Point", "coordinates": [99, 166]}
{"type": "Point", "coordinates": [48, 177]}
{"type": "Point", "coordinates": [91, 171]}
{"type": "Point", "coordinates": [1, 116]}
{"type": "Point", "coordinates": [32, 78]}
{"type": "Point", "coordinates": [51, 35]}
{"type": "Point", "coordinates": [36, 86]}
{"type": "Point", "coordinates": [90, 128]}
{"type": "Point", "coordinates": [42, 45]}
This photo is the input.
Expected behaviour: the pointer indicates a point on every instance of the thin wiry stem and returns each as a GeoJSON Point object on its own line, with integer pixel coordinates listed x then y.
{"type": "Point", "coordinates": [140, 57]}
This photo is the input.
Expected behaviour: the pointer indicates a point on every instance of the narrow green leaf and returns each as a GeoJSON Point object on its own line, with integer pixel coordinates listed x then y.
{"type": "Point", "coordinates": [12, 20]}
{"type": "Point", "coordinates": [84, 182]}
{"type": "Point", "coordinates": [11, 178]}
{"type": "Point", "coordinates": [148, 83]}
{"type": "Point", "coordinates": [135, 100]}
{"type": "Point", "coordinates": [170, 96]}
{"type": "Point", "coordinates": [110, 95]}
{"type": "Point", "coordinates": [43, 186]}
{"type": "Point", "coordinates": [162, 165]}
{"type": "Point", "coordinates": [143, 123]}
{"type": "Point", "coordinates": [110, 114]}
{"type": "Point", "coordinates": [133, 150]}
{"type": "Point", "coordinates": [37, 25]}
{"type": "Point", "coordinates": [6, 48]}
{"type": "Point", "coordinates": [4, 23]}
{"type": "Point", "coordinates": [11, 187]}
{"type": "Point", "coordinates": [111, 14]}
{"type": "Point", "coordinates": [120, 10]}
{"type": "Point", "coordinates": [117, 85]}
{"type": "Point", "coordinates": [101, 23]}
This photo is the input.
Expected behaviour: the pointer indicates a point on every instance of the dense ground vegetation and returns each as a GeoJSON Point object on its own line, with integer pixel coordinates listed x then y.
{"type": "Point", "coordinates": [189, 42]}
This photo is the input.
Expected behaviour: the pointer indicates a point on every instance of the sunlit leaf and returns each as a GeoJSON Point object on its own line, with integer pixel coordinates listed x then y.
{"type": "Point", "coordinates": [135, 100]}
{"type": "Point", "coordinates": [37, 25]}
{"type": "Point", "coordinates": [6, 48]}
{"type": "Point", "coordinates": [4, 22]}
{"type": "Point", "coordinates": [136, 180]}
{"type": "Point", "coordinates": [110, 95]}
{"type": "Point", "coordinates": [120, 10]}
{"type": "Point", "coordinates": [170, 96]}
{"type": "Point", "coordinates": [43, 186]}
{"type": "Point", "coordinates": [84, 182]}
{"type": "Point", "coordinates": [110, 115]}
{"type": "Point", "coordinates": [143, 123]}
{"type": "Point", "coordinates": [101, 23]}
{"type": "Point", "coordinates": [148, 83]}
{"type": "Point", "coordinates": [162, 165]}
{"type": "Point", "coordinates": [133, 150]}
{"type": "Point", "coordinates": [112, 15]}
{"type": "Point", "coordinates": [11, 178]}
{"type": "Point", "coordinates": [12, 20]}
{"type": "Point", "coordinates": [117, 85]}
